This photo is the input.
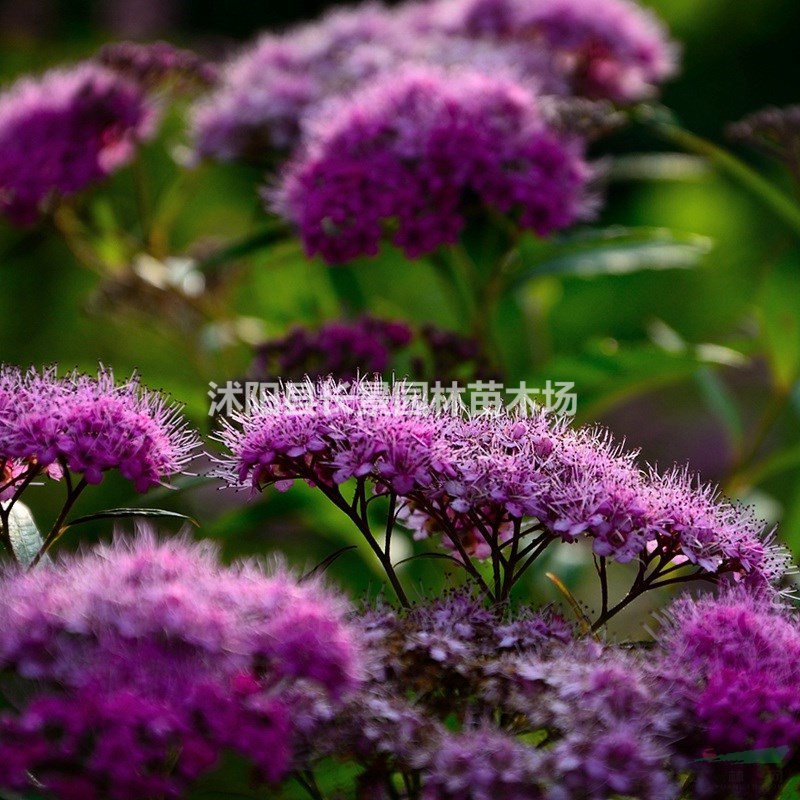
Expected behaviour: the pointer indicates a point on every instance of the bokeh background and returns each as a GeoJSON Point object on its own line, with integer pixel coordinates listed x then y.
{"type": "Point", "coordinates": [616, 336]}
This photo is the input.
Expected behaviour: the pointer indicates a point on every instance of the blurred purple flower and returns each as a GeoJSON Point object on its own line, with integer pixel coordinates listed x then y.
{"type": "Point", "coordinates": [64, 131]}
{"type": "Point", "coordinates": [406, 157]}
{"type": "Point", "coordinates": [146, 660]}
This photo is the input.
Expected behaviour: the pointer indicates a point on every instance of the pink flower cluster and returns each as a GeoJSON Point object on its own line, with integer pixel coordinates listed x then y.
{"type": "Point", "coordinates": [64, 131]}
{"type": "Point", "coordinates": [88, 425]}
{"type": "Point", "coordinates": [144, 661]}
{"type": "Point", "coordinates": [481, 480]}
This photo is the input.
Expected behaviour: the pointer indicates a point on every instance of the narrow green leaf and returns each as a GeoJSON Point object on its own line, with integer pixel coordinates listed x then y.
{"type": "Point", "coordinates": [612, 251]}
{"type": "Point", "coordinates": [781, 320]}
{"type": "Point", "coordinates": [325, 563]}
{"type": "Point", "coordinates": [244, 247]}
{"type": "Point", "coordinates": [720, 401]}
{"type": "Point", "coordinates": [26, 541]}
{"type": "Point", "coordinates": [121, 513]}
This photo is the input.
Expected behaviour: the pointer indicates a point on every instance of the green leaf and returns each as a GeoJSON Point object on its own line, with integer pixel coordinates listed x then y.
{"type": "Point", "coordinates": [610, 251]}
{"type": "Point", "coordinates": [26, 541]}
{"type": "Point", "coordinates": [277, 232]}
{"type": "Point", "coordinates": [720, 401]}
{"type": "Point", "coordinates": [121, 513]}
{"type": "Point", "coordinates": [323, 565]}
{"type": "Point", "coordinates": [781, 320]}
{"type": "Point", "coordinates": [605, 376]}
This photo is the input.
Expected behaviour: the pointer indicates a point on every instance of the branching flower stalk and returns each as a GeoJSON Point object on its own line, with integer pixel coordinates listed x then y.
{"type": "Point", "coordinates": [497, 487]}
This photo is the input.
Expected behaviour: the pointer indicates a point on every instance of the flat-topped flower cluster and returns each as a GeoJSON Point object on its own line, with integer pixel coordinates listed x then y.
{"type": "Point", "coordinates": [485, 480]}
{"type": "Point", "coordinates": [88, 424]}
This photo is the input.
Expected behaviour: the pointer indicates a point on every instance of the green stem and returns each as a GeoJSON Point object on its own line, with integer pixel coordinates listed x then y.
{"type": "Point", "coordinates": [783, 205]}
{"type": "Point", "coordinates": [58, 525]}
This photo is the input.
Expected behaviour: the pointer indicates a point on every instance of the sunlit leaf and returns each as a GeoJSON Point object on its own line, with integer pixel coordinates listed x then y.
{"type": "Point", "coordinates": [26, 541]}
{"type": "Point", "coordinates": [611, 251]}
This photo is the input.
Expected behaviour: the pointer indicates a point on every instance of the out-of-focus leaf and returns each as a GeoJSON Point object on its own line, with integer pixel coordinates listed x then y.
{"type": "Point", "coordinates": [267, 237]}
{"type": "Point", "coordinates": [123, 513]}
{"type": "Point", "coordinates": [780, 316]}
{"type": "Point", "coordinates": [718, 398]}
{"type": "Point", "coordinates": [605, 376]}
{"type": "Point", "coordinates": [658, 167]}
{"type": "Point", "coordinates": [610, 251]}
{"type": "Point", "coordinates": [26, 541]}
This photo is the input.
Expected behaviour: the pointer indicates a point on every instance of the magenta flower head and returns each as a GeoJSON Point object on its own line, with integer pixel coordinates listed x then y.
{"type": "Point", "coordinates": [143, 661]}
{"type": "Point", "coordinates": [64, 131]}
{"type": "Point", "coordinates": [404, 158]}
{"type": "Point", "coordinates": [481, 480]}
{"type": "Point", "coordinates": [265, 91]}
{"type": "Point", "coordinates": [612, 49]}
{"type": "Point", "coordinates": [736, 661]}
{"type": "Point", "coordinates": [89, 425]}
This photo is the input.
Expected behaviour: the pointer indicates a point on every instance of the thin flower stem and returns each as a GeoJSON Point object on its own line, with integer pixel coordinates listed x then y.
{"type": "Point", "coordinates": [466, 561]}
{"type": "Point", "coordinates": [542, 544]}
{"type": "Point", "coordinates": [603, 574]}
{"type": "Point", "coordinates": [361, 522]}
{"type": "Point", "coordinates": [309, 783]}
{"type": "Point", "coordinates": [512, 560]}
{"type": "Point", "coordinates": [783, 205]}
{"type": "Point", "coordinates": [58, 525]}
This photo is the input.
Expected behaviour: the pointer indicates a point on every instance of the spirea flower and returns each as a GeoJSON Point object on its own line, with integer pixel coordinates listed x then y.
{"type": "Point", "coordinates": [611, 49]}
{"type": "Point", "coordinates": [608, 723]}
{"type": "Point", "coordinates": [265, 91]}
{"type": "Point", "coordinates": [483, 764]}
{"type": "Point", "coordinates": [64, 131]}
{"type": "Point", "coordinates": [345, 349]}
{"type": "Point", "coordinates": [479, 480]}
{"type": "Point", "coordinates": [735, 662]}
{"type": "Point", "coordinates": [143, 661]}
{"type": "Point", "coordinates": [404, 159]}
{"type": "Point", "coordinates": [775, 131]}
{"type": "Point", "coordinates": [89, 425]}
{"type": "Point", "coordinates": [339, 348]}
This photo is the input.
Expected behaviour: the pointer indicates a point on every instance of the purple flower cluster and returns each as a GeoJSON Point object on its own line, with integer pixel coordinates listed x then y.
{"type": "Point", "coordinates": [735, 663]}
{"type": "Point", "coordinates": [265, 91]}
{"type": "Point", "coordinates": [408, 156]}
{"type": "Point", "coordinates": [484, 479]}
{"type": "Point", "coordinates": [88, 425]}
{"type": "Point", "coordinates": [483, 764]}
{"type": "Point", "coordinates": [368, 345]}
{"type": "Point", "coordinates": [610, 49]}
{"type": "Point", "coordinates": [477, 702]}
{"type": "Point", "coordinates": [339, 348]}
{"type": "Point", "coordinates": [64, 131]}
{"type": "Point", "coordinates": [774, 131]}
{"type": "Point", "coordinates": [144, 661]}
{"type": "Point", "coordinates": [608, 723]}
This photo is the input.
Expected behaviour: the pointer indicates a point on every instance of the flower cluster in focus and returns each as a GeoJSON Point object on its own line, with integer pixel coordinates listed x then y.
{"type": "Point", "coordinates": [88, 425]}
{"type": "Point", "coordinates": [488, 480]}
